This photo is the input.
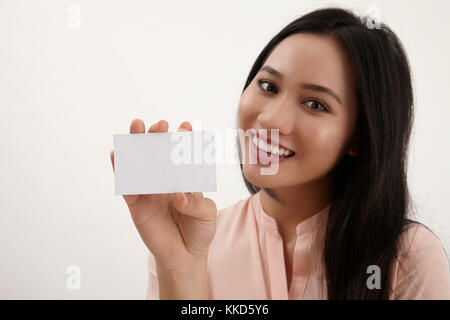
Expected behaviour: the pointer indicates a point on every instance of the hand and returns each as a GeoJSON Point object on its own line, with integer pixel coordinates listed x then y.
{"type": "Point", "coordinates": [178, 234]}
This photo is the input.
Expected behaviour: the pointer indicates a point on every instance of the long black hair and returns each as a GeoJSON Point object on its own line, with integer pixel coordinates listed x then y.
{"type": "Point", "coordinates": [371, 201]}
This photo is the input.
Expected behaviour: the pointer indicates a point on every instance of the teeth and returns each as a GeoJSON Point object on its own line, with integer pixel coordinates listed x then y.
{"type": "Point", "coordinates": [267, 147]}
{"type": "Point", "coordinates": [263, 145]}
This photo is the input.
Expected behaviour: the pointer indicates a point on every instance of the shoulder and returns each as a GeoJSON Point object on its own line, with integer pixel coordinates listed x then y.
{"type": "Point", "coordinates": [230, 215]}
{"type": "Point", "coordinates": [419, 242]}
{"type": "Point", "coordinates": [422, 266]}
{"type": "Point", "coordinates": [236, 227]}
{"type": "Point", "coordinates": [233, 223]}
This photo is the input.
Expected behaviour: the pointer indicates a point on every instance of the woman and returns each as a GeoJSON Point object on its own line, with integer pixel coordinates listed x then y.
{"type": "Point", "coordinates": [332, 223]}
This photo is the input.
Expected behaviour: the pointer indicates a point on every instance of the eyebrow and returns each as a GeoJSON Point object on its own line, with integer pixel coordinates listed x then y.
{"type": "Point", "coordinates": [311, 86]}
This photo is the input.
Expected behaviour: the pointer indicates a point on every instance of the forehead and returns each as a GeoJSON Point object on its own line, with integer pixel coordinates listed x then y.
{"type": "Point", "coordinates": [321, 59]}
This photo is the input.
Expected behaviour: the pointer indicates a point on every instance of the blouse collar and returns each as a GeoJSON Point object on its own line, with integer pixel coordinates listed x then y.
{"type": "Point", "coordinates": [310, 225]}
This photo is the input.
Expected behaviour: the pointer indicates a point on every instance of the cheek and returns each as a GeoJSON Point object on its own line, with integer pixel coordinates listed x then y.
{"type": "Point", "coordinates": [321, 140]}
{"type": "Point", "coordinates": [248, 108]}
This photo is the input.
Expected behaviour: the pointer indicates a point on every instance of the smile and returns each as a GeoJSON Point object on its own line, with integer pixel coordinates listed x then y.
{"type": "Point", "coordinates": [266, 153]}
{"type": "Point", "coordinates": [270, 146]}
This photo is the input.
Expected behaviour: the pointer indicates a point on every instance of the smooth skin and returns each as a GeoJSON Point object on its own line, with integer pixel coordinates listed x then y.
{"type": "Point", "coordinates": [178, 234]}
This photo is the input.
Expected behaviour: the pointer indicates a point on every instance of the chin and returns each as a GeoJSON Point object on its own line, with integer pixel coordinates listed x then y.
{"type": "Point", "coordinates": [253, 175]}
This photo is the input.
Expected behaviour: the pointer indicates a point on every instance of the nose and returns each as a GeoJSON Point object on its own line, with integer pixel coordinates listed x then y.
{"type": "Point", "coordinates": [277, 115]}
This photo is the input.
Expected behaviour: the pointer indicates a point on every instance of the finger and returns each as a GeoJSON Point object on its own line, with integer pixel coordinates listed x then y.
{"type": "Point", "coordinates": [160, 126]}
{"type": "Point", "coordinates": [111, 154]}
{"type": "Point", "coordinates": [196, 194]}
{"type": "Point", "coordinates": [196, 206]}
{"type": "Point", "coordinates": [185, 126]}
{"type": "Point", "coordinates": [137, 126]}
{"type": "Point", "coordinates": [129, 199]}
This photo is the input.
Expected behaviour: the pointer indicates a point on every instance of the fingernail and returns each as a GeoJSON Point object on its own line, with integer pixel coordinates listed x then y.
{"type": "Point", "coordinates": [185, 201]}
{"type": "Point", "coordinates": [153, 127]}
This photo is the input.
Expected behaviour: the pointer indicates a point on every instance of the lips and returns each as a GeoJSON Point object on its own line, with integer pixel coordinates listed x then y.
{"type": "Point", "coordinates": [266, 158]}
{"type": "Point", "coordinates": [274, 143]}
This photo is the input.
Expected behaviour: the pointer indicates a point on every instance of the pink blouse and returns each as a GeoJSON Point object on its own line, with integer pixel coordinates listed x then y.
{"type": "Point", "coordinates": [246, 259]}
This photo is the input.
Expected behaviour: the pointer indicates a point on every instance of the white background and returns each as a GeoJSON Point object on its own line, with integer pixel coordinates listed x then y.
{"type": "Point", "coordinates": [65, 92]}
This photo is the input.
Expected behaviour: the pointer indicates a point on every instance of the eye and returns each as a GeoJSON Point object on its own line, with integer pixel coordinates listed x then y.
{"type": "Point", "coordinates": [315, 103]}
{"type": "Point", "coordinates": [269, 84]}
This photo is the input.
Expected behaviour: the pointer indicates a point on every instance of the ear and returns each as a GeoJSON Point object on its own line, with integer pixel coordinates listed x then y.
{"type": "Point", "coordinates": [353, 149]}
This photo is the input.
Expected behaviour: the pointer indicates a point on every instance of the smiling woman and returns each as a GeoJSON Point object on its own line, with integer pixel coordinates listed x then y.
{"type": "Point", "coordinates": [335, 216]}
{"type": "Point", "coordinates": [340, 94]}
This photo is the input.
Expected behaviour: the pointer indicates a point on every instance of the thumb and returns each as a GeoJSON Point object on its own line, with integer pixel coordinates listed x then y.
{"type": "Point", "coordinates": [196, 205]}
{"type": "Point", "coordinates": [111, 155]}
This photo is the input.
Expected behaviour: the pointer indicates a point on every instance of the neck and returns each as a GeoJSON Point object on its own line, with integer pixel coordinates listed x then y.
{"type": "Point", "coordinates": [296, 204]}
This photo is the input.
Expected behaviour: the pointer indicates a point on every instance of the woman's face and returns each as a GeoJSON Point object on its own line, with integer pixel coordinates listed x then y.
{"type": "Point", "coordinates": [316, 124]}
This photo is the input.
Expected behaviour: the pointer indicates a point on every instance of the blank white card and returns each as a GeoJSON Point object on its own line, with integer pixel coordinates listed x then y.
{"type": "Point", "coordinates": [164, 162]}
